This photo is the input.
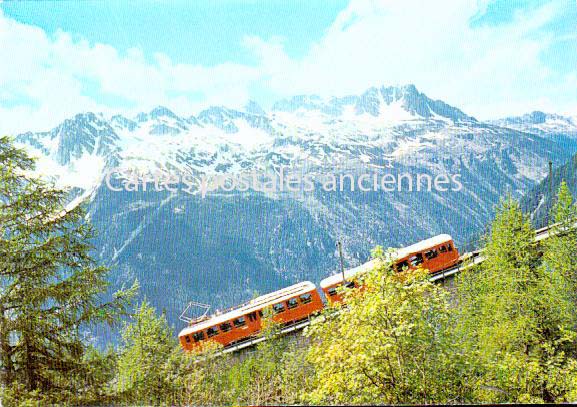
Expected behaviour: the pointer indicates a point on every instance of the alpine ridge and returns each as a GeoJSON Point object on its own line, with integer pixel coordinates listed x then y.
{"type": "Point", "coordinates": [222, 248]}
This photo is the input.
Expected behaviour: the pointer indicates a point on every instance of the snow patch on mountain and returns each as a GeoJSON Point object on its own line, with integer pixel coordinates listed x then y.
{"type": "Point", "coordinates": [380, 126]}
{"type": "Point", "coordinates": [541, 123]}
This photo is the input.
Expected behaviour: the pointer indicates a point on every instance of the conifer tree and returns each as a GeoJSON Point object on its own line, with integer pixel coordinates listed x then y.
{"type": "Point", "coordinates": [271, 374]}
{"type": "Point", "coordinates": [147, 344]}
{"type": "Point", "coordinates": [515, 317]}
{"type": "Point", "coordinates": [50, 286]}
{"type": "Point", "coordinates": [560, 248]}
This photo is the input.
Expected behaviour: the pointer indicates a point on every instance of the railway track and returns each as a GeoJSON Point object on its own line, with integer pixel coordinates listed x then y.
{"type": "Point", "coordinates": [468, 260]}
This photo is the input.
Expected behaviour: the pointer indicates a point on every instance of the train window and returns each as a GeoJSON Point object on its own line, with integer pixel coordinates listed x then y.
{"type": "Point", "coordinates": [292, 303]}
{"type": "Point", "coordinates": [260, 314]}
{"type": "Point", "coordinates": [350, 284]}
{"type": "Point", "coordinates": [225, 327]}
{"type": "Point", "coordinates": [210, 332]}
{"type": "Point", "coordinates": [401, 265]}
{"type": "Point", "coordinates": [252, 316]}
{"type": "Point", "coordinates": [187, 338]}
{"type": "Point", "coordinates": [278, 308]}
{"type": "Point", "coordinates": [240, 321]}
{"type": "Point", "coordinates": [416, 259]}
{"type": "Point", "coordinates": [198, 336]}
{"type": "Point", "coordinates": [332, 291]}
{"type": "Point", "coordinates": [306, 298]}
{"type": "Point", "coordinates": [442, 249]}
{"type": "Point", "coordinates": [450, 247]}
{"type": "Point", "coordinates": [431, 254]}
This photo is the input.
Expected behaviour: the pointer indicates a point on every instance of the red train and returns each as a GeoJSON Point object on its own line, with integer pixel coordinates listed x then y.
{"type": "Point", "coordinates": [288, 305]}
{"type": "Point", "coordinates": [298, 302]}
{"type": "Point", "coordinates": [435, 254]}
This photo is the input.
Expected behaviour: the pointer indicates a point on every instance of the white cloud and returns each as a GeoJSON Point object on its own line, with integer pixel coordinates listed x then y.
{"type": "Point", "coordinates": [52, 75]}
{"type": "Point", "coordinates": [486, 71]}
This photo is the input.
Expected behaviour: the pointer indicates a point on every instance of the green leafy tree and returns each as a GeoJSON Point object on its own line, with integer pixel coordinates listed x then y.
{"type": "Point", "coordinates": [147, 345]}
{"type": "Point", "coordinates": [201, 377]}
{"type": "Point", "coordinates": [50, 286]}
{"type": "Point", "coordinates": [263, 377]}
{"type": "Point", "coordinates": [392, 343]}
{"type": "Point", "coordinates": [559, 249]}
{"type": "Point", "coordinates": [515, 317]}
{"type": "Point", "coordinates": [564, 210]}
{"type": "Point", "coordinates": [297, 372]}
{"type": "Point", "coordinates": [101, 367]}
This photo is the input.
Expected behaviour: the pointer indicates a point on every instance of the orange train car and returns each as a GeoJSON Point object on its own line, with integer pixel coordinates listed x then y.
{"type": "Point", "coordinates": [289, 305]}
{"type": "Point", "coordinates": [434, 254]}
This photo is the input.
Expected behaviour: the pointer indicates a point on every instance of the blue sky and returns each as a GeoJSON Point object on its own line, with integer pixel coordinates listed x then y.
{"type": "Point", "coordinates": [489, 57]}
{"type": "Point", "coordinates": [205, 32]}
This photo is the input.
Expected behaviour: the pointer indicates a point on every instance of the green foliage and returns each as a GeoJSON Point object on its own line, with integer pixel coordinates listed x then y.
{"type": "Point", "coordinates": [564, 211]}
{"type": "Point", "coordinates": [505, 333]}
{"type": "Point", "coordinates": [559, 250]}
{"type": "Point", "coordinates": [392, 343]}
{"type": "Point", "coordinates": [515, 317]}
{"type": "Point", "coordinates": [50, 287]}
{"type": "Point", "coordinates": [201, 379]}
{"type": "Point", "coordinates": [275, 372]}
{"type": "Point", "coordinates": [146, 352]}
{"type": "Point", "coordinates": [101, 374]}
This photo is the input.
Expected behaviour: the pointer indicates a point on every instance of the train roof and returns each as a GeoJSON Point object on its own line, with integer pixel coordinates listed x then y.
{"type": "Point", "coordinates": [397, 254]}
{"type": "Point", "coordinates": [423, 245]}
{"type": "Point", "coordinates": [251, 306]}
{"type": "Point", "coordinates": [350, 273]}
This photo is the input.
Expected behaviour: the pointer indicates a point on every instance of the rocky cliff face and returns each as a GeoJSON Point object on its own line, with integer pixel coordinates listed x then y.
{"type": "Point", "coordinates": [223, 247]}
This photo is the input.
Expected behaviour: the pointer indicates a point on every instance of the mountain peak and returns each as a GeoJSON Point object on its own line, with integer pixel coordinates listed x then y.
{"type": "Point", "coordinates": [373, 101]}
{"type": "Point", "coordinates": [87, 117]}
{"type": "Point", "coordinates": [220, 117]}
{"type": "Point", "coordinates": [86, 132]}
{"type": "Point", "coordinates": [409, 89]}
{"type": "Point", "coordinates": [540, 122]}
{"type": "Point", "coordinates": [538, 117]}
{"type": "Point", "coordinates": [254, 108]}
{"type": "Point", "coordinates": [162, 111]}
{"type": "Point", "coordinates": [420, 104]}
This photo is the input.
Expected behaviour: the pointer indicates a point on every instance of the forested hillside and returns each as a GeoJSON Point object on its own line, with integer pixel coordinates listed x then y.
{"type": "Point", "coordinates": [504, 333]}
{"type": "Point", "coordinates": [537, 202]}
{"type": "Point", "coordinates": [220, 248]}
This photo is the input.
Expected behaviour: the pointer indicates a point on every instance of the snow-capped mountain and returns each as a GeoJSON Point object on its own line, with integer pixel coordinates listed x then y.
{"type": "Point", "coordinates": [384, 123]}
{"type": "Point", "coordinates": [390, 104]}
{"type": "Point", "coordinates": [541, 123]}
{"type": "Point", "coordinates": [76, 153]}
{"type": "Point", "coordinates": [221, 248]}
